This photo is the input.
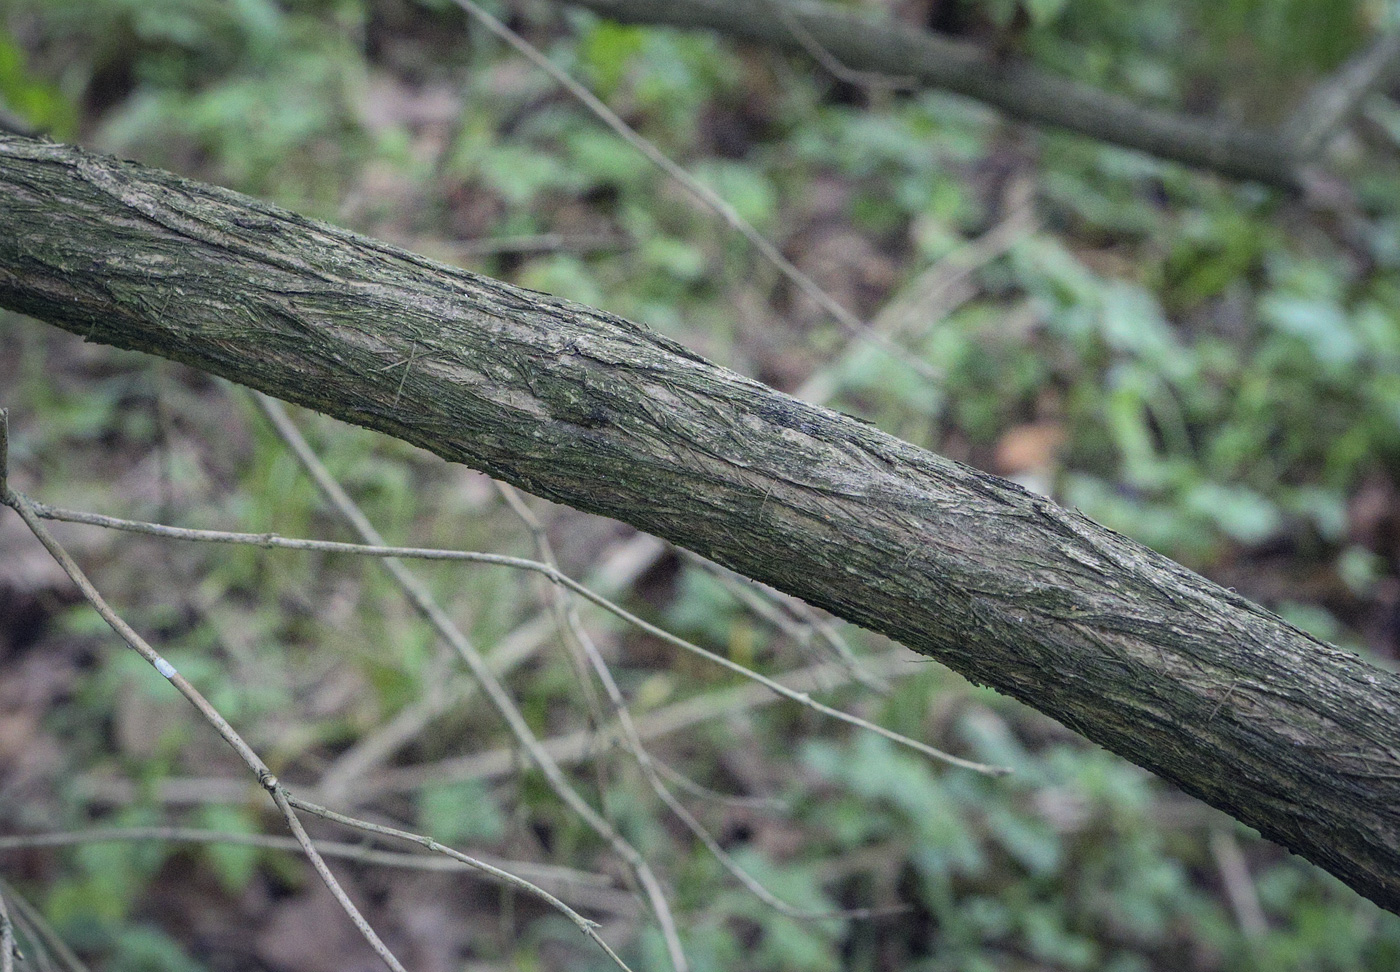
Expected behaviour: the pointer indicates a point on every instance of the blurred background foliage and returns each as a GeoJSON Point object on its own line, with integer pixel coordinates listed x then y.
{"type": "Point", "coordinates": [1207, 366]}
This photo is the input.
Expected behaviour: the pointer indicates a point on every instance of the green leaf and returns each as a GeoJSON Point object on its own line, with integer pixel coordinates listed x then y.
{"type": "Point", "coordinates": [602, 158]}
{"type": "Point", "coordinates": [143, 948]}
{"type": "Point", "coordinates": [233, 864]}
{"type": "Point", "coordinates": [1241, 513]}
{"type": "Point", "coordinates": [35, 101]}
{"type": "Point", "coordinates": [1044, 12]}
{"type": "Point", "coordinates": [607, 52]}
{"type": "Point", "coordinates": [461, 812]}
{"type": "Point", "coordinates": [520, 173]}
{"type": "Point", "coordinates": [675, 257]}
{"type": "Point", "coordinates": [745, 188]}
{"type": "Point", "coordinates": [1032, 843]}
{"type": "Point", "coordinates": [1320, 324]}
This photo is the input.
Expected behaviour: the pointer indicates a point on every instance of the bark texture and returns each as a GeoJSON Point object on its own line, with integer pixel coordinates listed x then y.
{"type": "Point", "coordinates": [1288, 734]}
{"type": "Point", "coordinates": [864, 44]}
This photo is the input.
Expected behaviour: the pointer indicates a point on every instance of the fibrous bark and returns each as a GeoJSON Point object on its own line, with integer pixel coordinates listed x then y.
{"type": "Point", "coordinates": [1290, 735]}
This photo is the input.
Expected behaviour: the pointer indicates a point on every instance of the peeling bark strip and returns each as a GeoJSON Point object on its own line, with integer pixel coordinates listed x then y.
{"type": "Point", "coordinates": [1290, 735]}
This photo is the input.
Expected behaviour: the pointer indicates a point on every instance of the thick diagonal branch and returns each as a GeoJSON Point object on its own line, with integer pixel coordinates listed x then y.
{"type": "Point", "coordinates": [1288, 734]}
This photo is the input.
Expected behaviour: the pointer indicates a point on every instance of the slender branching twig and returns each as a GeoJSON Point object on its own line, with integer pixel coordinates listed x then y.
{"type": "Point", "coordinates": [360, 853]}
{"type": "Point", "coordinates": [389, 553]}
{"type": "Point", "coordinates": [701, 192]}
{"type": "Point", "coordinates": [1336, 98]}
{"type": "Point", "coordinates": [426, 605]}
{"type": "Point", "coordinates": [589, 928]}
{"type": "Point", "coordinates": [569, 748]}
{"type": "Point", "coordinates": [633, 741]}
{"type": "Point", "coordinates": [266, 779]}
{"type": "Point", "coordinates": [284, 801]}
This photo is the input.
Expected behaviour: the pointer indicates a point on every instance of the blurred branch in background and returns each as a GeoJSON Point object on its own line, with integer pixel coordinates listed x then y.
{"type": "Point", "coordinates": [1333, 102]}
{"type": "Point", "coordinates": [906, 55]}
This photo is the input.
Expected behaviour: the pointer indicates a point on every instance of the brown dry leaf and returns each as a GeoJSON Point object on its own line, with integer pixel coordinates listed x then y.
{"type": "Point", "coordinates": [1108, 263]}
{"type": "Point", "coordinates": [388, 101]}
{"type": "Point", "coordinates": [1029, 448]}
{"type": "Point", "coordinates": [1373, 515]}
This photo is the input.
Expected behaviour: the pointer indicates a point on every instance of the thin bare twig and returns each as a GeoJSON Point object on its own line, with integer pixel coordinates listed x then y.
{"type": "Point", "coordinates": [567, 749]}
{"type": "Point", "coordinates": [633, 741]}
{"type": "Point", "coordinates": [559, 612]}
{"type": "Point", "coordinates": [559, 609]}
{"type": "Point", "coordinates": [770, 605]}
{"type": "Point", "coordinates": [359, 853]}
{"type": "Point", "coordinates": [1239, 886]}
{"type": "Point", "coordinates": [389, 554]}
{"type": "Point", "coordinates": [573, 747]}
{"type": "Point", "coordinates": [423, 601]}
{"type": "Point", "coordinates": [930, 297]}
{"type": "Point", "coordinates": [22, 505]}
{"type": "Point", "coordinates": [40, 933]}
{"type": "Point", "coordinates": [832, 63]}
{"type": "Point", "coordinates": [589, 928]}
{"type": "Point", "coordinates": [1336, 98]}
{"type": "Point", "coordinates": [701, 192]}
{"type": "Point", "coordinates": [283, 801]}
{"type": "Point", "coordinates": [618, 568]}
{"type": "Point", "coordinates": [695, 789]}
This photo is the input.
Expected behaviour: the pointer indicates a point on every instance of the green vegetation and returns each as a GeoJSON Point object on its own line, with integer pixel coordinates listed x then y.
{"type": "Point", "coordinates": [1207, 366]}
